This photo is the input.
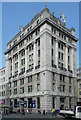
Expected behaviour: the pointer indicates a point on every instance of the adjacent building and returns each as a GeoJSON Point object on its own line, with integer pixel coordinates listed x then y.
{"type": "Point", "coordinates": [79, 84]}
{"type": "Point", "coordinates": [41, 65]}
{"type": "Point", "coordinates": [2, 86]}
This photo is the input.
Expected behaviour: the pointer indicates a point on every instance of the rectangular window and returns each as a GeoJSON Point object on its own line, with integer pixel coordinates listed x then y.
{"type": "Point", "coordinates": [59, 34]}
{"type": "Point", "coordinates": [80, 86]}
{"type": "Point", "coordinates": [54, 31]}
{"type": "Point", "coordinates": [64, 37]}
{"type": "Point", "coordinates": [38, 76]}
{"type": "Point", "coordinates": [15, 83]}
{"type": "Point", "coordinates": [16, 57]}
{"type": "Point", "coordinates": [62, 56]}
{"type": "Point", "coordinates": [62, 46]}
{"type": "Point", "coordinates": [58, 45]}
{"type": "Point", "coordinates": [23, 61]}
{"type": "Point", "coordinates": [69, 80]}
{"type": "Point", "coordinates": [31, 57]}
{"type": "Point", "coordinates": [68, 49]}
{"type": "Point", "coordinates": [52, 52]}
{"type": "Point", "coordinates": [37, 31]}
{"type": "Point", "coordinates": [15, 91]}
{"type": "Point", "coordinates": [30, 88]}
{"type": "Point", "coordinates": [32, 47]}
{"type": "Point", "coordinates": [39, 62]}
{"type": "Point", "coordinates": [70, 89]}
{"type": "Point", "coordinates": [53, 86]}
{"type": "Point", "coordinates": [37, 22]}
{"type": "Point", "coordinates": [22, 81]}
{"type": "Point", "coordinates": [38, 87]}
{"type": "Point", "coordinates": [53, 76]}
{"type": "Point", "coordinates": [52, 41]}
{"type": "Point", "coordinates": [59, 55]}
{"type": "Point", "coordinates": [22, 90]}
{"type": "Point", "coordinates": [16, 65]}
{"type": "Point", "coordinates": [62, 78]}
{"type": "Point", "coordinates": [80, 93]}
{"type": "Point", "coordinates": [23, 53]}
{"type": "Point", "coordinates": [29, 79]}
{"type": "Point", "coordinates": [23, 70]}
{"type": "Point", "coordinates": [62, 88]}
{"type": "Point", "coordinates": [68, 68]}
{"type": "Point", "coordinates": [68, 59]}
{"type": "Point", "coordinates": [38, 53]}
{"type": "Point", "coordinates": [39, 43]}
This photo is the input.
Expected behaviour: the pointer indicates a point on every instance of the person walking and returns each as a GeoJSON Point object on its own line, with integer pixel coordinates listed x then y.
{"type": "Point", "coordinates": [23, 113]}
{"type": "Point", "coordinates": [53, 112]}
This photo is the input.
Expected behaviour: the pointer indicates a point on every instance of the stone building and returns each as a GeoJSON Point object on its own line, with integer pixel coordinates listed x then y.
{"type": "Point", "coordinates": [41, 65]}
{"type": "Point", "coordinates": [79, 84]}
{"type": "Point", "coordinates": [2, 86]}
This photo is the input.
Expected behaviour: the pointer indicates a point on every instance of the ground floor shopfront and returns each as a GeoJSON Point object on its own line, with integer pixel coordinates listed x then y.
{"type": "Point", "coordinates": [40, 103]}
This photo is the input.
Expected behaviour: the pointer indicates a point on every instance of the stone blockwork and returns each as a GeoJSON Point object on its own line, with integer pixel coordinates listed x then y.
{"type": "Point", "coordinates": [41, 66]}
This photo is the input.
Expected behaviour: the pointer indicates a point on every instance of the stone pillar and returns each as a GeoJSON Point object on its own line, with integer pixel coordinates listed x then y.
{"type": "Point", "coordinates": [71, 60]}
{"type": "Point", "coordinates": [75, 63]}
{"type": "Point", "coordinates": [46, 103]}
{"type": "Point", "coordinates": [45, 50]}
{"type": "Point", "coordinates": [66, 105]}
{"type": "Point", "coordinates": [7, 72]}
{"type": "Point", "coordinates": [19, 63]}
{"type": "Point", "coordinates": [26, 57]}
{"type": "Point", "coordinates": [56, 52]}
{"type": "Point", "coordinates": [57, 82]}
{"type": "Point", "coordinates": [57, 102]}
{"type": "Point", "coordinates": [13, 66]}
{"type": "Point", "coordinates": [35, 56]}
{"type": "Point", "coordinates": [66, 58]}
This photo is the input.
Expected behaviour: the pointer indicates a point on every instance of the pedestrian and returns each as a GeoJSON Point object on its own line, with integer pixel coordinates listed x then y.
{"type": "Point", "coordinates": [23, 113]}
{"type": "Point", "coordinates": [6, 112]}
{"type": "Point", "coordinates": [53, 112]}
{"type": "Point", "coordinates": [43, 112]}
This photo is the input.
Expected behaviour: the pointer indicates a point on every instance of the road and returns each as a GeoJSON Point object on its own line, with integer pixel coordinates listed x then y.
{"type": "Point", "coordinates": [16, 116]}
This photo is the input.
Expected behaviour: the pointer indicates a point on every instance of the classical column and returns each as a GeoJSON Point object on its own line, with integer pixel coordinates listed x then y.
{"type": "Point", "coordinates": [7, 68]}
{"type": "Point", "coordinates": [19, 63]}
{"type": "Point", "coordinates": [35, 56]}
{"type": "Point", "coordinates": [26, 60]}
{"type": "Point", "coordinates": [56, 52]}
{"type": "Point", "coordinates": [13, 66]}
{"type": "Point", "coordinates": [71, 59]}
{"type": "Point", "coordinates": [66, 57]}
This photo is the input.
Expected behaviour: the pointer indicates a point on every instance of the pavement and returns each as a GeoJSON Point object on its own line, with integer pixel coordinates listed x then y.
{"type": "Point", "coordinates": [19, 116]}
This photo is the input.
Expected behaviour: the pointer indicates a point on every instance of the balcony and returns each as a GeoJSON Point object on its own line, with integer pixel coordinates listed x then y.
{"type": "Point", "coordinates": [15, 75]}
{"type": "Point", "coordinates": [38, 66]}
{"type": "Point", "coordinates": [29, 70]}
{"type": "Point", "coordinates": [21, 73]}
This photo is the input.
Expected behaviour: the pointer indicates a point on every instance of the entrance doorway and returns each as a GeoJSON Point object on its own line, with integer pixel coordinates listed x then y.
{"type": "Point", "coordinates": [29, 102]}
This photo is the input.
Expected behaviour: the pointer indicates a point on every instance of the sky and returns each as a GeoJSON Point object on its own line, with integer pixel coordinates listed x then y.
{"type": "Point", "coordinates": [21, 13]}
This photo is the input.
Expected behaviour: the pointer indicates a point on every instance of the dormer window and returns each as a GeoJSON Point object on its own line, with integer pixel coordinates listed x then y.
{"type": "Point", "coordinates": [15, 42]}
{"type": "Point", "coordinates": [37, 22]}
{"type": "Point", "coordinates": [10, 46]}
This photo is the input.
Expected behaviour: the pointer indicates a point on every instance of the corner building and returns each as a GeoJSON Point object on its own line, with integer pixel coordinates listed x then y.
{"type": "Point", "coordinates": [41, 65]}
